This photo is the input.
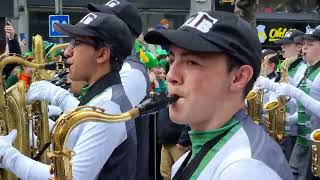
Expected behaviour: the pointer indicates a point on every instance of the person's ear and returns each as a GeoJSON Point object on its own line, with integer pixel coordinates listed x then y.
{"type": "Point", "coordinates": [103, 55]}
{"type": "Point", "coordinates": [273, 66]}
{"type": "Point", "coordinates": [242, 76]}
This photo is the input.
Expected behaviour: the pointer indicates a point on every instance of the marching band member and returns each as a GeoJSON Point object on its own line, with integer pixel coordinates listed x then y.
{"type": "Point", "coordinates": [134, 78]}
{"type": "Point", "coordinates": [134, 75]}
{"type": "Point", "coordinates": [99, 44]}
{"type": "Point", "coordinates": [216, 60]}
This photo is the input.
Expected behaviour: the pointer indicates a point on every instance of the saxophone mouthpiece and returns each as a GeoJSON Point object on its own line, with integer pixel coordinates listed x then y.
{"type": "Point", "coordinates": [155, 104]}
{"type": "Point", "coordinates": [56, 66]}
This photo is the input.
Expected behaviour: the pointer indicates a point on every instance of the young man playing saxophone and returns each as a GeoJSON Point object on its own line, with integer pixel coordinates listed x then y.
{"type": "Point", "coordinates": [99, 44]}
{"type": "Point", "coordinates": [215, 62]}
{"type": "Point", "coordinates": [134, 78]}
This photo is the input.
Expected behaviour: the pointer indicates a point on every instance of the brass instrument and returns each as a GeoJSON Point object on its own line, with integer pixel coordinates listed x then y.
{"type": "Point", "coordinates": [254, 105]}
{"type": "Point", "coordinates": [315, 150]}
{"type": "Point", "coordinates": [13, 112]}
{"type": "Point", "coordinates": [61, 168]}
{"type": "Point", "coordinates": [255, 98]}
{"type": "Point", "coordinates": [39, 109]}
{"type": "Point", "coordinates": [275, 121]}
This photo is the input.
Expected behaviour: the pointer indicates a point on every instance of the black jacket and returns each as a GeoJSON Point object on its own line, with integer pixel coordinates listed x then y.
{"type": "Point", "coordinates": [14, 47]}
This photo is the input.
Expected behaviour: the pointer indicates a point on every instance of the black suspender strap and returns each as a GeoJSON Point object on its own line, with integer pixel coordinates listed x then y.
{"type": "Point", "coordinates": [186, 170]}
{"type": "Point", "coordinates": [308, 73]}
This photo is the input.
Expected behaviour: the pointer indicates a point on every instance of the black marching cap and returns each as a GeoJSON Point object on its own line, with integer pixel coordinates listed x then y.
{"type": "Point", "coordinates": [214, 31]}
{"type": "Point", "coordinates": [105, 27]}
{"type": "Point", "coordinates": [124, 10]}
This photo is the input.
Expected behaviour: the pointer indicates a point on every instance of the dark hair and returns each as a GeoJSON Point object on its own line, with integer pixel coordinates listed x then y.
{"type": "Point", "coordinates": [116, 60]}
{"type": "Point", "coordinates": [233, 63]}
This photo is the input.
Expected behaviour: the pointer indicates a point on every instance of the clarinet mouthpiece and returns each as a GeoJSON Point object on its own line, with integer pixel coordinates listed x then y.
{"type": "Point", "coordinates": [155, 104]}
{"type": "Point", "coordinates": [56, 66]}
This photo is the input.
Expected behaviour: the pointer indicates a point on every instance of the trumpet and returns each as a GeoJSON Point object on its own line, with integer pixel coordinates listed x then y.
{"type": "Point", "coordinates": [61, 156]}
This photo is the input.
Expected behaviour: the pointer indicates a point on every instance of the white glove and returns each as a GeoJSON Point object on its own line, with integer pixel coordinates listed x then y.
{"type": "Point", "coordinates": [292, 119]}
{"type": "Point", "coordinates": [15, 162]}
{"type": "Point", "coordinates": [6, 143]}
{"type": "Point", "coordinates": [291, 124]}
{"type": "Point", "coordinates": [44, 90]}
{"type": "Point", "coordinates": [307, 101]}
{"type": "Point", "coordinates": [54, 110]}
{"type": "Point", "coordinates": [265, 83]}
{"type": "Point", "coordinates": [284, 89]}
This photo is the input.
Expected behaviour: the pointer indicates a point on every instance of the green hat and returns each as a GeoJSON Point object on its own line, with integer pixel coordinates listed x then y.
{"type": "Point", "coordinates": [164, 64]}
{"type": "Point", "coordinates": [148, 59]}
{"type": "Point", "coordinates": [161, 53]}
{"type": "Point", "coordinates": [27, 54]}
{"type": "Point", "coordinates": [47, 46]}
{"type": "Point", "coordinates": [137, 46]}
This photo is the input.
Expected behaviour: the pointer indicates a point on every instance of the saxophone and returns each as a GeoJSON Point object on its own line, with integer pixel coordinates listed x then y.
{"type": "Point", "coordinates": [13, 112]}
{"type": "Point", "coordinates": [254, 105]}
{"type": "Point", "coordinates": [315, 150]}
{"type": "Point", "coordinates": [276, 110]}
{"type": "Point", "coordinates": [61, 168]}
{"type": "Point", "coordinates": [255, 98]}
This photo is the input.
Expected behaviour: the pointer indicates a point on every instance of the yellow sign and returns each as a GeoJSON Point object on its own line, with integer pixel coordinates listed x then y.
{"type": "Point", "coordinates": [277, 34]}
{"type": "Point", "coordinates": [226, 1]}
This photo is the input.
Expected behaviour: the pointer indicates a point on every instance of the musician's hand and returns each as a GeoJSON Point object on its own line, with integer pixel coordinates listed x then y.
{"type": "Point", "coordinates": [6, 145]}
{"type": "Point", "coordinates": [14, 161]}
{"type": "Point", "coordinates": [46, 91]}
{"type": "Point", "coordinates": [265, 83]}
{"type": "Point", "coordinates": [42, 90]}
{"type": "Point", "coordinates": [285, 89]}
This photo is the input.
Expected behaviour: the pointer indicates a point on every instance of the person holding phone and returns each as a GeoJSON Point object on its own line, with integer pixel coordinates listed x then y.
{"type": "Point", "coordinates": [13, 46]}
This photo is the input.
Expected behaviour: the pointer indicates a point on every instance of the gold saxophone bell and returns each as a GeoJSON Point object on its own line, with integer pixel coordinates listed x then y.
{"type": "Point", "coordinates": [315, 150]}
{"type": "Point", "coordinates": [272, 115]}
{"type": "Point", "coordinates": [254, 105]}
{"type": "Point", "coordinates": [275, 121]}
{"type": "Point", "coordinates": [61, 156]}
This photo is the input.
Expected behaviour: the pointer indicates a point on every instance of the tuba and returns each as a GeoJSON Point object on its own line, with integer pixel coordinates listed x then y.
{"type": "Point", "coordinates": [276, 110]}
{"type": "Point", "coordinates": [315, 150]}
{"type": "Point", "coordinates": [13, 111]}
{"type": "Point", "coordinates": [60, 156]}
